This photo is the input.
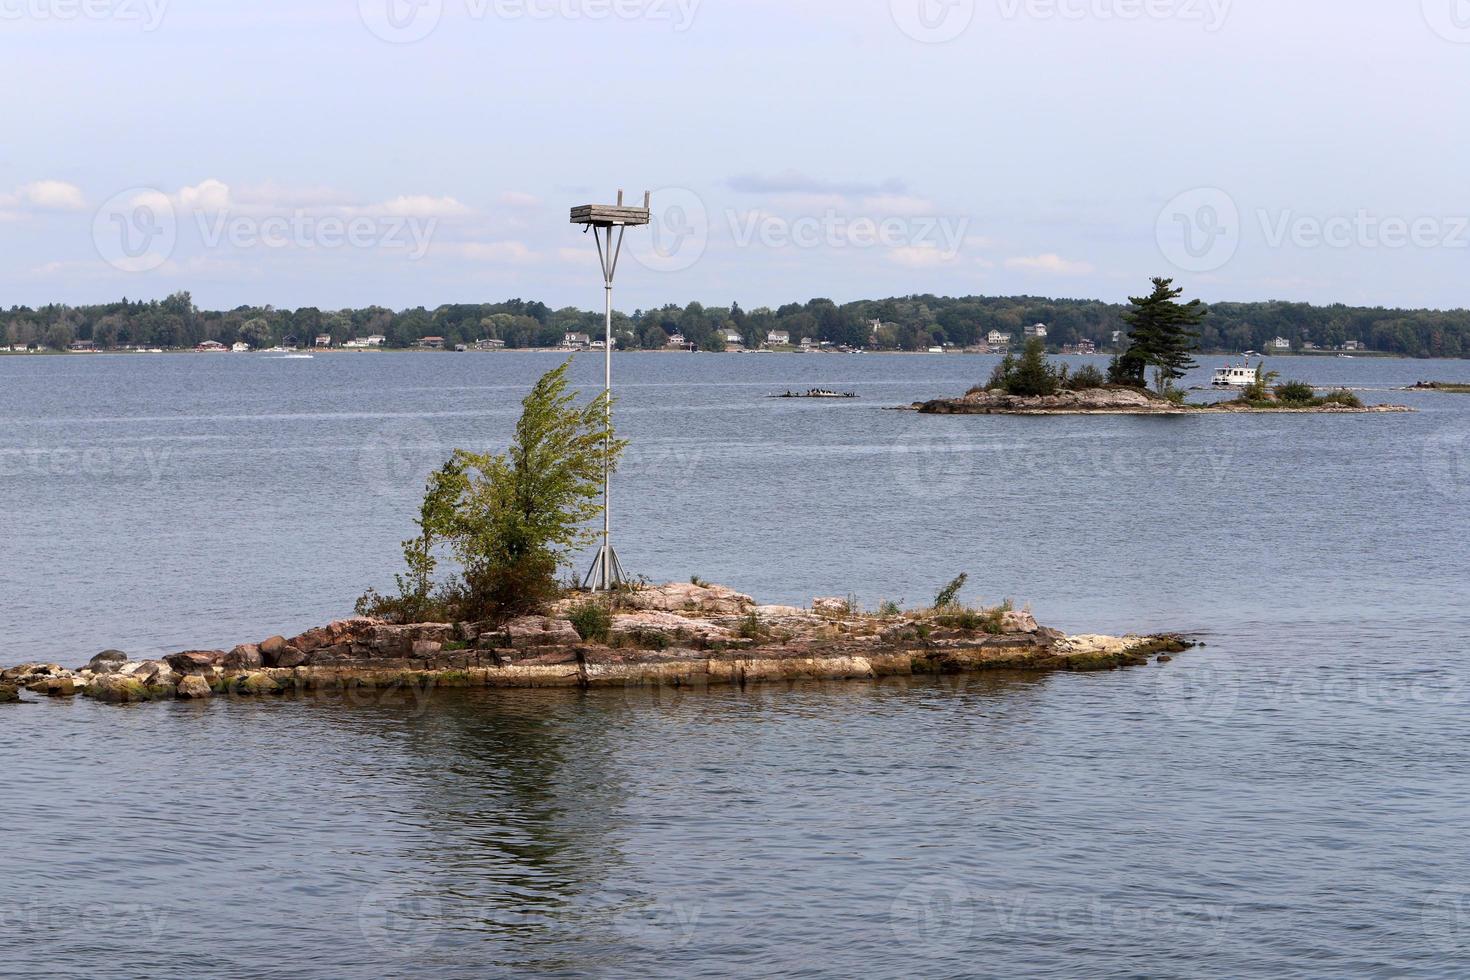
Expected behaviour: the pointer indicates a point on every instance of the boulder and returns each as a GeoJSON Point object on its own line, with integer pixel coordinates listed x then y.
{"type": "Point", "coordinates": [247, 656]}
{"type": "Point", "coordinates": [195, 661]}
{"type": "Point", "coordinates": [194, 687]}
{"type": "Point", "coordinates": [155, 673]}
{"type": "Point", "coordinates": [663, 630]}
{"type": "Point", "coordinates": [9, 694]}
{"type": "Point", "coordinates": [272, 647]}
{"type": "Point", "coordinates": [256, 683]}
{"type": "Point", "coordinates": [118, 689]}
{"type": "Point", "coordinates": [684, 597]}
{"type": "Point", "coordinates": [289, 657]}
{"type": "Point", "coordinates": [424, 649]}
{"type": "Point", "coordinates": [537, 632]}
{"type": "Point", "coordinates": [26, 673]}
{"type": "Point", "coordinates": [107, 662]}
{"type": "Point", "coordinates": [832, 606]}
{"type": "Point", "coordinates": [54, 687]}
{"type": "Point", "coordinates": [1018, 622]}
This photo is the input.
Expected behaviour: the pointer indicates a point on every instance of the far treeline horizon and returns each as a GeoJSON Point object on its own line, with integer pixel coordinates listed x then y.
{"type": "Point", "coordinates": [907, 323]}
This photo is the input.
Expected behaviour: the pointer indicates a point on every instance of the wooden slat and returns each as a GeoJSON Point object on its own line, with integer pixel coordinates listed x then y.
{"type": "Point", "coordinates": [609, 214]}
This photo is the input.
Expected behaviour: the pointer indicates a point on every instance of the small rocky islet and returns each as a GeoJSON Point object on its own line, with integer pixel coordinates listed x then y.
{"type": "Point", "coordinates": [1118, 400]}
{"type": "Point", "coordinates": [676, 635]}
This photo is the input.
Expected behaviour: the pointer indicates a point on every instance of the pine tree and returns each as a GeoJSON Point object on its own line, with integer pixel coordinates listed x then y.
{"type": "Point", "coordinates": [1161, 333]}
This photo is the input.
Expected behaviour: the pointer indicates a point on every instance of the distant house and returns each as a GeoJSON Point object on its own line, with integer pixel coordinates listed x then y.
{"type": "Point", "coordinates": [1279, 344]}
{"type": "Point", "coordinates": [576, 341]}
{"type": "Point", "coordinates": [678, 340]}
{"type": "Point", "coordinates": [82, 346]}
{"type": "Point", "coordinates": [324, 340]}
{"type": "Point", "coordinates": [211, 346]}
{"type": "Point", "coordinates": [1117, 337]}
{"type": "Point", "coordinates": [431, 343]}
{"type": "Point", "coordinates": [778, 338]}
{"type": "Point", "coordinates": [1037, 331]}
{"type": "Point", "coordinates": [1084, 347]}
{"type": "Point", "coordinates": [807, 343]}
{"type": "Point", "coordinates": [240, 347]}
{"type": "Point", "coordinates": [489, 345]}
{"type": "Point", "coordinates": [376, 340]}
{"type": "Point", "coordinates": [1354, 345]}
{"type": "Point", "coordinates": [997, 339]}
{"type": "Point", "coordinates": [733, 339]}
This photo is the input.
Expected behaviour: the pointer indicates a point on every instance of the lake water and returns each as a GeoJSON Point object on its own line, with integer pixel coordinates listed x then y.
{"type": "Point", "coordinates": [1291, 800]}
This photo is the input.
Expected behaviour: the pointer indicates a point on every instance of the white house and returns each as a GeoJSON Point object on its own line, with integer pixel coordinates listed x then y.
{"type": "Point", "coordinates": [1279, 344]}
{"type": "Point", "coordinates": [778, 338]}
{"type": "Point", "coordinates": [732, 338]}
{"type": "Point", "coordinates": [576, 340]}
{"type": "Point", "coordinates": [678, 340]}
{"type": "Point", "coordinates": [324, 340]}
{"type": "Point", "coordinates": [998, 339]}
{"type": "Point", "coordinates": [1353, 345]}
{"type": "Point", "coordinates": [489, 345]}
{"type": "Point", "coordinates": [240, 348]}
{"type": "Point", "coordinates": [1036, 331]}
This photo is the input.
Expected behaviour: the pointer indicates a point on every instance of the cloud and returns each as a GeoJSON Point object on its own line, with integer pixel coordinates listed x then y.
{"type": "Point", "coordinates": [493, 251]}
{"type": "Point", "coordinates": [418, 206]}
{"type": "Point", "coordinates": [1050, 263]}
{"type": "Point", "coordinates": [519, 199]}
{"type": "Point", "coordinates": [43, 195]}
{"type": "Point", "coordinates": [794, 182]}
{"type": "Point", "coordinates": [208, 195]}
{"type": "Point", "coordinates": [920, 256]}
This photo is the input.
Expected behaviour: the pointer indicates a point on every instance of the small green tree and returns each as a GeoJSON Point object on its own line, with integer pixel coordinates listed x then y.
{"type": "Point", "coordinates": [1028, 376]}
{"type": "Point", "coordinates": [509, 521]}
{"type": "Point", "coordinates": [1162, 332]}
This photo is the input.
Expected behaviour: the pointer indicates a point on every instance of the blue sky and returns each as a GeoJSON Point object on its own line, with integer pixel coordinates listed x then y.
{"type": "Point", "coordinates": [347, 152]}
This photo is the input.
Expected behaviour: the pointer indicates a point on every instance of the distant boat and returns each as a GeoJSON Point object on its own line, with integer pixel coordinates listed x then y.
{"type": "Point", "coordinates": [1235, 375]}
{"type": "Point", "coordinates": [296, 357]}
{"type": "Point", "coordinates": [817, 393]}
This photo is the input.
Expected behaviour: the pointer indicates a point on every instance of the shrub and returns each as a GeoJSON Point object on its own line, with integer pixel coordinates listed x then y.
{"type": "Point", "coordinates": [981, 620]}
{"type": "Point", "coordinates": [752, 628]}
{"type": "Point", "coordinates": [1296, 393]}
{"type": "Point", "coordinates": [1086, 378]}
{"type": "Point", "coordinates": [889, 609]}
{"type": "Point", "coordinates": [1343, 397]}
{"type": "Point", "coordinates": [951, 592]}
{"type": "Point", "coordinates": [1030, 376]}
{"type": "Point", "coordinates": [509, 521]}
{"type": "Point", "coordinates": [592, 621]}
{"type": "Point", "coordinates": [695, 580]}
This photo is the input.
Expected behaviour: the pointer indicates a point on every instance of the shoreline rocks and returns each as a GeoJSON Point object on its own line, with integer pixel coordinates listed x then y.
{"type": "Point", "coordinates": [671, 635]}
{"type": "Point", "coordinates": [1119, 401]}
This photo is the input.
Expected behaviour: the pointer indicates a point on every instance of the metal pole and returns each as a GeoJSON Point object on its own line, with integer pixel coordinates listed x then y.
{"type": "Point", "coordinates": [607, 552]}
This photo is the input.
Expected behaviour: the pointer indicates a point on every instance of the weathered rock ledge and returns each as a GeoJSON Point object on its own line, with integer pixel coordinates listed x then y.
{"type": "Point", "coordinates": [684, 636]}
{"type": "Point", "coordinates": [1119, 401]}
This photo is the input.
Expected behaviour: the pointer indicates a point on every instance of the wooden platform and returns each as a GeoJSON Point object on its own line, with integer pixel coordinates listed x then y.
{"type": "Point", "coordinates": [609, 215]}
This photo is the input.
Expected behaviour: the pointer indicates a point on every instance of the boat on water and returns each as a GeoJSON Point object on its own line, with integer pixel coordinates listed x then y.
{"type": "Point", "coordinates": [1235, 375]}
{"type": "Point", "coordinates": [817, 393]}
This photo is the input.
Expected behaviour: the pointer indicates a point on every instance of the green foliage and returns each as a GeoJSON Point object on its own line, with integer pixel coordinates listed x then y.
{"type": "Point", "coordinates": [1260, 389]}
{"type": "Point", "coordinates": [1086, 378]}
{"type": "Point", "coordinates": [981, 620]}
{"type": "Point", "coordinates": [1296, 393]}
{"type": "Point", "coordinates": [1343, 397]}
{"type": "Point", "coordinates": [1028, 376]}
{"type": "Point", "coordinates": [592, 621]}
{"type": "Point", "coordinates": [950, 593]}
{"type": "Point", "coordinates": [509, 522]}
{"type": "Point", "coordinates": [1127, 369]}
{"type": "Point", "coordinates": [752, 628]}
{"type": "Point", "coordinates": [1162, 332]}
{"type": "Point", "coordinates": [889, 609]}
{"type": "Point", "coordinates": [695, 580]}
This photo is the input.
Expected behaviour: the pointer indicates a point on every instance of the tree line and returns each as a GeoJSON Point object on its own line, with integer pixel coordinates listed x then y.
{"type": "Point", "coordinates": [902, 323]}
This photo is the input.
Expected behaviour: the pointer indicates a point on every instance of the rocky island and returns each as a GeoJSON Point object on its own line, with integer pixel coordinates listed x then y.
{"type": "Point", "coordinates": [677, 635]}
{"type": "Point", "coordinates": [1117, 400]}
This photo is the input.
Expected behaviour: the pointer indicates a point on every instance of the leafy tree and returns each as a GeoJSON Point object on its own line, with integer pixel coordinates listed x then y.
{"type": "Point", "coordinates": [511, 521]}
{"type": "Point", "coordinates": [1029, 376]}
{"type": "Point", "coordinates": [1162, 332]}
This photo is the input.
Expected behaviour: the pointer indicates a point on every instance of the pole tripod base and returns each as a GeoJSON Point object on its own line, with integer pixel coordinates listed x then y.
{"type": "Point", "coordinates": [606, 572]}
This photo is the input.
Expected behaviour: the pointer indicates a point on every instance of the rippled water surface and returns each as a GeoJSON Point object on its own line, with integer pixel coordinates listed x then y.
{"type": "Point", "coordinates": [1290, 800]}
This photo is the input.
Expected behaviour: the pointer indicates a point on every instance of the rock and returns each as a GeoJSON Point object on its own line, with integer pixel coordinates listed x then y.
{"type": "Point", "coordinates": [54, 687]}
{"type": "Point", "coordinates": [118, 689]}
{"type": "Point", "coordinates": [680, 597]}
{"type": "Point", "coordinates": [831, 606]}
{"type": "Point", "coordinates": [1103, 400]}
{"type": "Point", "coordinates": [247, 656]}
{"type": "Point", "coordinates": [155, 673]}
{"type": "Point", "coordinates": [9, 694]}
{"type": "Point", "coordinates": [1164, 658]}
{"type": "Point", "coordinates": [289, 657]}
{"type": "Point", "coordinates": [195, 661]}
{"type": "Point", "coordinates": [662, 630]}
{"type": "Point", "coordinates": [424, 649]}
{"type": "Point", "coordinates": [107, 662]}
{"type": "Point", "coordinates": [26, 673]}
{"type": "Point", "coordinates": [194, 687]}
{"type": "Point", "coordinates": [1018, 622]}
{"type": "Point", "coordinates": [272, 647]}
{"type": "Point", "coordinates": [256, 683]}
{"type": "Point", "coordinates": [536, 632]}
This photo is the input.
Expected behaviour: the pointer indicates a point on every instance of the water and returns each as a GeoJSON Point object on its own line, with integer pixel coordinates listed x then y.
{"type": "Point", "coordinates": [1289, 800]}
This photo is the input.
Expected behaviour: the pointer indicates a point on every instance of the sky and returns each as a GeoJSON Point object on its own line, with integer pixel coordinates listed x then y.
{"type": "Point", "coordinates": [338, 153]}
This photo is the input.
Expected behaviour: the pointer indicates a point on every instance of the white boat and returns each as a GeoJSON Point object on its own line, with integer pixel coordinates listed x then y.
{"type": "Point", "coordinates": [1235, 375]}
{"type": "Point", "coordinates": [296, 357]}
